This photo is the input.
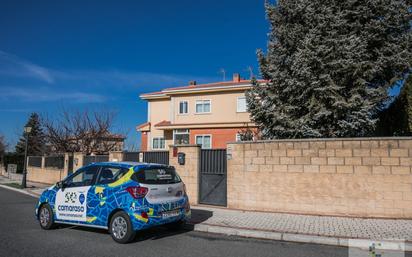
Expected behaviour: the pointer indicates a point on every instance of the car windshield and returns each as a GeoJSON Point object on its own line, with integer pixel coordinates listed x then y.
{"type": "Point", "coordinates": [158, 175]}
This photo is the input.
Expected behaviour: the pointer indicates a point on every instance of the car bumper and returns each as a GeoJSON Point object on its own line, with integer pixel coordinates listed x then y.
{"type": "Point", "coordinates": [142, 219]}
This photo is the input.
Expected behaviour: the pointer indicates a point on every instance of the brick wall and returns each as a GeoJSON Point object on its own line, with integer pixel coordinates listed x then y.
{"type": "Point", "coordinates": [351, 177]}
{"type": "Point", "coordinates": [190, 171]}
{"type": "Point", "coordinates": [220, 136]}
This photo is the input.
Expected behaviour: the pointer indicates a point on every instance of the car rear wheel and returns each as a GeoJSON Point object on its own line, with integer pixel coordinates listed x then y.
{"type": "Point", "coordinates": [46, 217]}
{"type": "Point", "coordinates": [121, 228]}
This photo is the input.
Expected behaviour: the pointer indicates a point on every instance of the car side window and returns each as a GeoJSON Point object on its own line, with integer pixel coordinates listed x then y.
{"type": "Point", "coordinates": [83, 177]}
{"type": "Point", "coordinates": [111, 174]}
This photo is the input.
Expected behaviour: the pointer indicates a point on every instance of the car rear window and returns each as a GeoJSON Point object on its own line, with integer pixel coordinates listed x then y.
{"type": "Point", "coordinates": [157, 176]}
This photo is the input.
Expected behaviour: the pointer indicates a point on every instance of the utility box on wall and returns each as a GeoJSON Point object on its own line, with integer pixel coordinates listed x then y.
{"type": "Point", "coordinates": [181, 158]}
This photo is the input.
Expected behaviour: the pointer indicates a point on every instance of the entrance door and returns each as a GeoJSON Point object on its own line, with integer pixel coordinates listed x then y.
{"type": "Point", "coordinates": [213, 173]}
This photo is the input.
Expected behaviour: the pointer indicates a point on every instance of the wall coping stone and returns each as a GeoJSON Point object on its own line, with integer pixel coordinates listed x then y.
{"type": "Point", "coordinates": [322, 139]}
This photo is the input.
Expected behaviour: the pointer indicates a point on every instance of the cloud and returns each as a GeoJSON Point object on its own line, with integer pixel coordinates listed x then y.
{"type": "Point", "coordinates": [14, 66]}
{"type": "Point", "coordinates": [42, 84]}
{"type": "Point", "coordinates": [45, 95]}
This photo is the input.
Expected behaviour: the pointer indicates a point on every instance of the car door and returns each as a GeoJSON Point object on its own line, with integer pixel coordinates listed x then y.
{"type": "Point", "coordinates": [72, 197]}
{"type": "Point", "coordinates": [100, 201]}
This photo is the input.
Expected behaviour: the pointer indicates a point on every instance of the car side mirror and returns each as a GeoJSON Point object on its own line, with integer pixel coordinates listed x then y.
{"type": "Point", "coordinates": [60, 184]}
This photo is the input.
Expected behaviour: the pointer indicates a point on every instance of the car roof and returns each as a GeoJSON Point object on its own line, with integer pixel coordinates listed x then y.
{"type": "Point", "coordinates": [129, 164]}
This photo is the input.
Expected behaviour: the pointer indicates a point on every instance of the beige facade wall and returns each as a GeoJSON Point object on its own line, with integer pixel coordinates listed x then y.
{"type": "Point", "coordinates": [159, 110]}
{"type": "Point", "coordinates": [189, 172]}
{"type": "Point", "coordinates": [351, 177]}
{"type": "Point", "coordinates": [223, 108]}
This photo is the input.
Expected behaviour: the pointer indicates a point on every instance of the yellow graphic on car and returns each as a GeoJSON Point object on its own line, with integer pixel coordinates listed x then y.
{"type": "Point", "coordinates": [123, 179]}
{"type": "Point", "coordinates": [90, 219]}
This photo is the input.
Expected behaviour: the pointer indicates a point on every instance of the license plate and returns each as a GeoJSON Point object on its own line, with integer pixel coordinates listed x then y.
{"type": "Point", "coordinates": [170, 214]}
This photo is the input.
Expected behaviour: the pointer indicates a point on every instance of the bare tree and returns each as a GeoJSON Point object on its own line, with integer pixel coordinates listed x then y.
{"type": "Point", "coordinates": [3, 146]}
{"type": "Point", "coordinates": [249, 134]}
{"type": "Point", "coordinates": [82, 131]}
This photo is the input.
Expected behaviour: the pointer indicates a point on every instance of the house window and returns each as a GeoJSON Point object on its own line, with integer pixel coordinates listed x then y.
{"type": "Point", "coordinates": [181, 136]}
{"type": "Point", "coordinates": [203, 106]}
{"type": "Point", "coordinates": [241, 104]}
{"type": "Point", "coordinates": [183, 107]}
{"type": "Point", "coordinates": [245, 136]}
{"type": "Point", "coordinates": [204, 140]}
{"type": "Point", "coordinates": [158, 143]}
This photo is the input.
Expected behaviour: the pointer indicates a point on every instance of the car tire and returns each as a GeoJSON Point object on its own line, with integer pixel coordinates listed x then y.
{"type": "Point", "coordinates": [121, 228]}
{"type": "Point", "coordinates": [46, 219]}
{"type": "Point", "coordinates": [177, 225]}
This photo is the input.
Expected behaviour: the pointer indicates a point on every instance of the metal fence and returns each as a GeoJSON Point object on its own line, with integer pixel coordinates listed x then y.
{"type": "Point", "coordinates": [54, 162]}
{"type": "Point", "coordinates": [95, 158]}
{"type": "Point", "coordinates": [161, 157]}
{"type": "Point", "coordinates": [34, 161]}
{"type": "Point", "coordinates": [131, 156]}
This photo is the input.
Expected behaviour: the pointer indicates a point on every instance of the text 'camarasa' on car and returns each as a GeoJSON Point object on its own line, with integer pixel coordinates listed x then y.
{"type": "Point", "coordinates": [123, 197]}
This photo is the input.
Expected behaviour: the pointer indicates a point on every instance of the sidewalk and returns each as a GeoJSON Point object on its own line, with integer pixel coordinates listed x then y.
{"type": "Point", "coordinates": [301, 228]}
{"type": "Point", "coordinates": [33, 188]}
{"type": "Point", "coordinates": [286, 227]}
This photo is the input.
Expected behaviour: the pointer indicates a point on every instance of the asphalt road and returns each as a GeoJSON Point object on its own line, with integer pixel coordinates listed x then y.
{"type": "Point", "coordinates": [21, 235]}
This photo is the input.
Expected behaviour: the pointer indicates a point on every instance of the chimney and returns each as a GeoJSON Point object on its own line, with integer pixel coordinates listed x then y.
{"type": "Point", "coordinates": [236, 77]}
{"type": "Point", "coordinates": [192, 83]}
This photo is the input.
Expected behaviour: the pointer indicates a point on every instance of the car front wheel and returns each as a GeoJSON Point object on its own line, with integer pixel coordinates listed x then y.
{"type": "Point", "coordinates": [46, 217]}
{"type": "Point", "coordinates": [121, 228]}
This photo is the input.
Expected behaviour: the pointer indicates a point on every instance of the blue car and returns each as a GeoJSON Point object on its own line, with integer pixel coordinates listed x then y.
{"type": "Point", "coordinates": [123, 197]}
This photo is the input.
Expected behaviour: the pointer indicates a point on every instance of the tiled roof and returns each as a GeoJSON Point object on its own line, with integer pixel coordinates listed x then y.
{"type": "Point", "coordinates": [202, 86]}
{"type": "Point", "coordinates": [143, 125]}
{"type": "Point", "coordinates": [163, 123]}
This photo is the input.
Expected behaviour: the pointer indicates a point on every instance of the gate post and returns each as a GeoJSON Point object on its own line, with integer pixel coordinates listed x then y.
{"type": "Point", "coordinates": [116, 156]}
{"type": "Point", "coordinates": [77, 161]}
{"type": "Point", "coordinates": [189, 172]}
{"type": "Point", "coordinates": [66, 166]}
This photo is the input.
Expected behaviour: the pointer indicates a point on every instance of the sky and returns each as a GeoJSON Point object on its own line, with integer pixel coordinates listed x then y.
{"type": "Point", "coordinates": [91, 55]}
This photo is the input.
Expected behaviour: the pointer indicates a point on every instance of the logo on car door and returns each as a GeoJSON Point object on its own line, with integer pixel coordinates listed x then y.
{"type": "Point", "coordinates": [71, 204]}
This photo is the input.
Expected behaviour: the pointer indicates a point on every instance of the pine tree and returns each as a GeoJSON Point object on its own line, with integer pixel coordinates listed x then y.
{"type": "Point", "coordinates": [396, 120]}
{"type": "Point", "coordinates": [36, 143]}
{"type": "Point", "coordinates": [329, 65]}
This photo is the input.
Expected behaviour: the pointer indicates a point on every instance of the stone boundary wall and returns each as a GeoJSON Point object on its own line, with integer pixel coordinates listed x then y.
{"type": "Point", "coordinates": [189, 172]}
{"type": "Point", "coordinates": [47, 175]}
{"type": "Point", "coordinates": [363, 177]}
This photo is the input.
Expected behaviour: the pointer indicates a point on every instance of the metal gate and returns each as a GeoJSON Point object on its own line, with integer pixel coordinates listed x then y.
{"type": "Point", "coordinates": [213, 173]}
{"type": "Point", "coordinates": [161, 157]}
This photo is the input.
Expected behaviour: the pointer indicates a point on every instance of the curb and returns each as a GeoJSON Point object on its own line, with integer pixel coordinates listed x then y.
{"type": "Point", "coordinates": [19, 190]}
{"type": "Point", "coordinates": [299, 238]}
